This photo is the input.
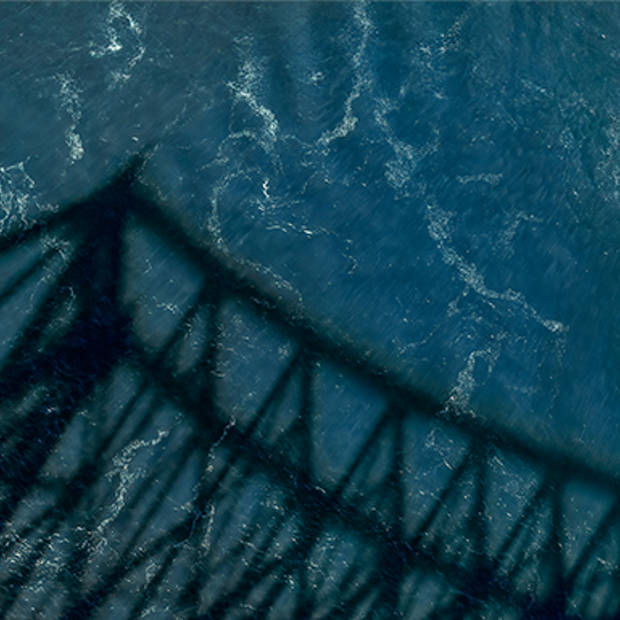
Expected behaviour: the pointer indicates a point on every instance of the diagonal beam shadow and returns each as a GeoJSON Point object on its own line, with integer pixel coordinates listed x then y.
{"type": "Point", "coordinates": [308, 498]}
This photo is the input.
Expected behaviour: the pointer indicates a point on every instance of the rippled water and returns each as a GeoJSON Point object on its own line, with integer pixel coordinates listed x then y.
{"type": "Point", "coordinates": [442, 181]}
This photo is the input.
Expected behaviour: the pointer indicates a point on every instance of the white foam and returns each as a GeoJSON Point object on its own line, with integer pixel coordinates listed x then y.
{"type": "Point", "coordinates": [119, 20]}
{"type": "Point", "coordinates": [360, 80]}
{"type": "Point", "coordinates": [451, 40]}
{"type": "Point", "coordinates": [487, 177]}
{"type": "Point", "coordinates": [213, 223]}
{"type": "Point", "coordinates": [400, 170]}
{"type": "Point", "coordinates": [127, 476]}
{"type": "Point", "coordinates": [246, 89]}
{"type": "Point", "coordinates": [608, 168]}
{"type": "Point", "coordinates": [465, 381]}
{"type": "Point", "coordinates": [438, 228]}
{"type": "Point", "coordinates": [74, 142]}
{"type": "Point", "coordinates": [15, 195]}
{"type": "Point", "coordinates": [70, 102]}
{"type": "Point", "coordinates": [206, 539]}
{"type": "Point", "coordinates": [507, 235]}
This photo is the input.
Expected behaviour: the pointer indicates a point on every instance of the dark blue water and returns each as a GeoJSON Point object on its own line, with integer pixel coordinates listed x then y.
{"type": "Point", "coordinates": [442, 181]}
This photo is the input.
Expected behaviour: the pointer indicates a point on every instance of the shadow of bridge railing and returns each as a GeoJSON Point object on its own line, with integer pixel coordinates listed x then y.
{"type": "Point", "coordinates": [179, 441]}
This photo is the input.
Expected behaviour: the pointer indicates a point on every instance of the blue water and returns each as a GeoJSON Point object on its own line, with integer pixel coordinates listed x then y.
{"type": "Point", "coordinates": [442, 181]}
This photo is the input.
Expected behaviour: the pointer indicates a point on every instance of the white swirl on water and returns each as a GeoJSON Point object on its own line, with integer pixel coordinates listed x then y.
{"type": "Point", "coordinates": [451, 40]}
{"type": "Point", "coordinates": [465, 381]}
{"type": "Point", "coordinates": [360, 80]}
{"type": "Point", "coordinates": [213, 223]}
{"type": "Point", "coordinates": [15, 194]}
{"type": "Point", "coordinates": [399, 171]}
{"type": "Point", "coordinates": [399, 174]}
{"type": "Point", "coordinates": [506, 237]}
{"type": "Point", "coordinates": [122, 463]}
{"type": "Point", "coordinates": [246, 90]}
{"type": "Point", "coordinates": [488, 177]}
{"type": "Point", "coordinates": [120, 19]}
{"type": "Point", "coordinates": [70, 103]}
{"type": "Point", "coordinates": [438, 221]}
{"type": "Point", "coordinates": [608, 169]}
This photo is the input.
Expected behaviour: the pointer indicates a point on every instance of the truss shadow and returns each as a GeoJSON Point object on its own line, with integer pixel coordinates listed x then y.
{"type": "Point", "coordinates": [177, 440]}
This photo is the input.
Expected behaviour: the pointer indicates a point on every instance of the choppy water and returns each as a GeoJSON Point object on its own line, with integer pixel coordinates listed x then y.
{"type": "Point", "coordinates": [442, 181]}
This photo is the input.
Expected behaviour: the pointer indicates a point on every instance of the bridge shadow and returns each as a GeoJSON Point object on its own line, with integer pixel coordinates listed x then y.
{"type": "Point", "coordinates": [178, 440]}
